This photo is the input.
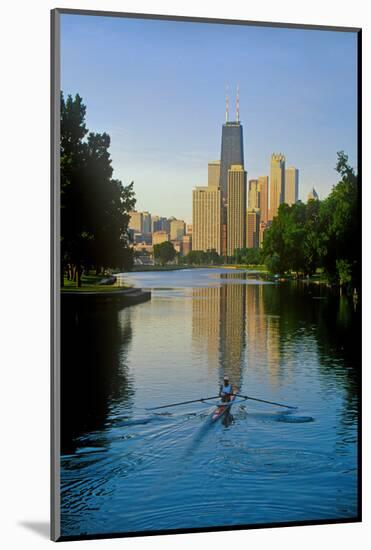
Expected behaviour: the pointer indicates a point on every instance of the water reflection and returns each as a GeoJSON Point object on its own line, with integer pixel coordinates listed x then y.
{"type": "Point", "coordinates": [244, 327]}
{"type": "Point", "coordinates": [94, 375]}
{"type": "Point", "coordinates": [125, 468]}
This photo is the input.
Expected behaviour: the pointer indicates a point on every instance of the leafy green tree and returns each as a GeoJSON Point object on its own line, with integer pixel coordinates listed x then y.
{"type": "Point", "coordinates": [94, 206]}
{"type": "Point", "coordinates": [323, 234]}
{"type": "Point", "coordinates": [273, 263]}
{"type": "Point", "coordinates": [200, 257]}
{"type": "Point", "coordinates": [164, 252]}
{"type": "Point", "coordinates": [339, 226]}
{"type": "Point", "coordinates": [248, 256]}
{"type": "Point", "coordinates": [311, 238]}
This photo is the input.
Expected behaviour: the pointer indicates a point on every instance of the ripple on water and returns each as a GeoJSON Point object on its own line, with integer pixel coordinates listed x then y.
{"type": "Point", "coordinates": [239, 462]}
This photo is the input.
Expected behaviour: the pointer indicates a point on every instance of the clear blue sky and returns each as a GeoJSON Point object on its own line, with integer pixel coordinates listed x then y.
{"type": "Point", "coordinates": [158, 89]}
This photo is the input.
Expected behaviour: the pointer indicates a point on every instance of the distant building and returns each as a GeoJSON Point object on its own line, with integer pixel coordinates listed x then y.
{"type": "Point", "coordinates": [177, 230]}
{"type": "Point", "coordinates": [159, 237]}
{"type": "Point", "coordinates": [155, 224]}
{"type": "Point", "coordinates": [206, 219]}
{"type": "Point", "coordinates": [189, 229]}
{"type": "Point", "coordinates": [186, 244]}
{"type": "Point", "coordinates": [313, 195]}
{"type": "Point", "coordinates": [143, 238]}
{"type": "Point", "coordinates": [291, 185]}
{"type": "Point", "coordinates": [165, 224]}
{"type": "Point", "coordinates": [136, 221]}
{"type": "Point", "coordinates": [277, 184]}
{"type": "Point", "coordinates": [236, 209]}
{"type": "Point", "coordinates": [263, 197]}
{"type": "Point", "coordinates": [213, 179]}
{"type": "Point", "coordinates": [263, 226]}
{"type": "Point", "coordinates": [160, 224]}
{"type": "Point", "coordinates": [146, 222]}
{"type": "Point", "coordinates": [253, 228]}
{"type": "Point", "coordinates": [143, 247]}
{"type": "Point", "coordinates": [253, 194]}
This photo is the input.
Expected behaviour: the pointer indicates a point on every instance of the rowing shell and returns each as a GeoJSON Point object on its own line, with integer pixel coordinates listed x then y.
{"type": "Point", "coordinates": [222, 409]}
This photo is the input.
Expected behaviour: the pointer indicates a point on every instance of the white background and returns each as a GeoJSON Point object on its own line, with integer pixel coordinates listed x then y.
{"type": "Point", "coordinates": [24, 253]}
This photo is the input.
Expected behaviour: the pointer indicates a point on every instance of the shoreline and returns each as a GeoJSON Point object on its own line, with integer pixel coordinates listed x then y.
{"type": "Point", "coordinates": [116, 296]}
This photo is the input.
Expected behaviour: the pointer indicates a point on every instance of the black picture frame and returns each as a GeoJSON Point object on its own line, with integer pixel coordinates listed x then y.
{"type": "Point", "coordinates": [55, 266]}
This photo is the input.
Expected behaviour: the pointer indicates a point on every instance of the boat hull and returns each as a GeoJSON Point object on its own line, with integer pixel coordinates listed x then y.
{"type": "Point", "coordinates": [221, 410]}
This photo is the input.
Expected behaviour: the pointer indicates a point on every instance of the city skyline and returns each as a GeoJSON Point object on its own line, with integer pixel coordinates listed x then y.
{"type": "Point", "coordinates": [164, 123]}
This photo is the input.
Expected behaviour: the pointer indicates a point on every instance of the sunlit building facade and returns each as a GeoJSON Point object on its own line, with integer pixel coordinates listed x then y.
{"type": "Point", "coordinates": [291, 185]}
{"type": "Point", "coordinates": [277, 184]}
{"type": "Point", "coordinates": [206, 219]}
{"type": "Point", "coordinates": [236, 209]}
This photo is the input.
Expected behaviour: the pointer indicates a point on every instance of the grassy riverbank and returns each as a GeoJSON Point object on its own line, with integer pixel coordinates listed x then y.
{"type": "Point", "coordinates": [90, 283]}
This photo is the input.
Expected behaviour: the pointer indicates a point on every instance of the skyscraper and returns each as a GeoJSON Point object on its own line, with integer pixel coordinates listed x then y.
{"type": "Point", "coordinates": [263, 197]}
{"type": "Point", "coordinates": [231, 154]}
{"type": "Point", "coordinates": [206, 219]}
{"type": "Point", "coordinates": [253, 228]}
{"type": "Point", "coordinates": [159, 237]}
{"type": "Point", "coordinates": [136, 221]}
{"type": "Point", "coordinates": [213, 173]}
{"type": "Point", "coordinates": [177, 230]}
{"type": "Point", "coordinates": [146, 222]}
{"type": "Point", "coordinates": [236, 209]}
{"type": "Point", "coordinates": [277, 184]}
{"type": "Point", "coordinates": [253, 194]}
{"type": "Point", "coordinates": [291, 185]}
{"type": "Point", "coordinates": [186, 244]}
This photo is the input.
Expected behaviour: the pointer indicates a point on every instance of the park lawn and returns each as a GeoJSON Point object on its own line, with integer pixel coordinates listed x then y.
{"type": "Point", "coordinates": [89, 283]}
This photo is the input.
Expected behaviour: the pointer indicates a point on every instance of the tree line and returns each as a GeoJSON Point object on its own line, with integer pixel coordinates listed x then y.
{"type": "Point", "coordinates": [320, 234]}
{"type": "Point", "coordinates": [94, 206]}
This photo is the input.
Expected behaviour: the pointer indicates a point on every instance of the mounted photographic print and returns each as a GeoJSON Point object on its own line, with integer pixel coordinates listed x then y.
{"type": "Point", "coordinates": [206, 281]}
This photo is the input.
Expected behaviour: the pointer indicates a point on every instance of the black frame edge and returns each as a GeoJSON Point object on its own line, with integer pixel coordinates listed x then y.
{"type": "Point", "coordinates": [55, 259]}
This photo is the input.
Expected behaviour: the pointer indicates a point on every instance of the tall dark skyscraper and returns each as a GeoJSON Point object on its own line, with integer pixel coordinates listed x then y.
{"type": "Point", "coordinates": [231, 154]}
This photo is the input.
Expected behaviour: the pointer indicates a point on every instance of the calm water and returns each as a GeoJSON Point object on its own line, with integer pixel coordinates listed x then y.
{"type": "Point", "coordinates": [126, 469]}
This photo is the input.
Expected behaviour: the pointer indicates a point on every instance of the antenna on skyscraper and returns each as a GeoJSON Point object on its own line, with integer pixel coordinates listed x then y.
{"type": "Point", "coordinates": [238, 103]}
{"type": "Point", "coordinates": [226, 104]}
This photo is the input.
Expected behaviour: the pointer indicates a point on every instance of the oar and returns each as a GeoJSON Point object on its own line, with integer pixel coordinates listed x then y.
{"type": "Point", "coordinates": [181, 403]}
{"type": "Point", "coordinates": [264, 401]}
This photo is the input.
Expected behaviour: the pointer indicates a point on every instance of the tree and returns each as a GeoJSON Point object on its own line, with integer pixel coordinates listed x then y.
{"type": "Point", "coordinates": [164, 252]}
{"type": "Point", "coordinates": [94, 206]}
{"type": "Point", "coordinates": [339, 227]}
{"type": "Point", "coordinates": [324, 234]}
{"type": "Point", "coordinates": [200, 257]}
{"type": "Point", "coordinates": [248, 256]}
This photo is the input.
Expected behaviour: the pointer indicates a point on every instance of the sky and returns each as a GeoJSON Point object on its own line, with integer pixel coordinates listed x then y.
{"type": "Point", "coordinates": [158, 89]}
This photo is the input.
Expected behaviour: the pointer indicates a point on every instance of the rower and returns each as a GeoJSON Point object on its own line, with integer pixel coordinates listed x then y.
{"type": "Point", "coordinates": [226, 390]}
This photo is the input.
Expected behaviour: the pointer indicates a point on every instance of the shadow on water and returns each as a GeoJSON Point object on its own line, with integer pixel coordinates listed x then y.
{"type": "Point", "coordinates": [93, 371]}
{"type": "Point", "coordinates": [335, 324]}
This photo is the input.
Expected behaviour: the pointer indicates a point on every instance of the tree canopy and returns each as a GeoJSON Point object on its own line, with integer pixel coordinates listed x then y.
{"type": "Point", "coordinates": [319, 234]}
{"type": "Point", "coordinates": [164, 252]}
{"type": "Point", "coordinates": [94, 206]}
{"type": "Point", "coordinates": [200, 257]}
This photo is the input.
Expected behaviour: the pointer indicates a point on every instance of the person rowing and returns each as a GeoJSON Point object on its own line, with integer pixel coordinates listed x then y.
{"type": "Point", "coordinates": [226, 390]}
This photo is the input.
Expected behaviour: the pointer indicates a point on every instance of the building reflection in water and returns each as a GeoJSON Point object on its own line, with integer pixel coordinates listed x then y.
{"type": "Point", "coordinates": [218, 327]}
{"type": "Point", "coordinates": [231, 325]}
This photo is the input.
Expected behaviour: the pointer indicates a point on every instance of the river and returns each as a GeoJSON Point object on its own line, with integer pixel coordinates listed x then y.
{"type": "Point", "coordinates": [126, 469]}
